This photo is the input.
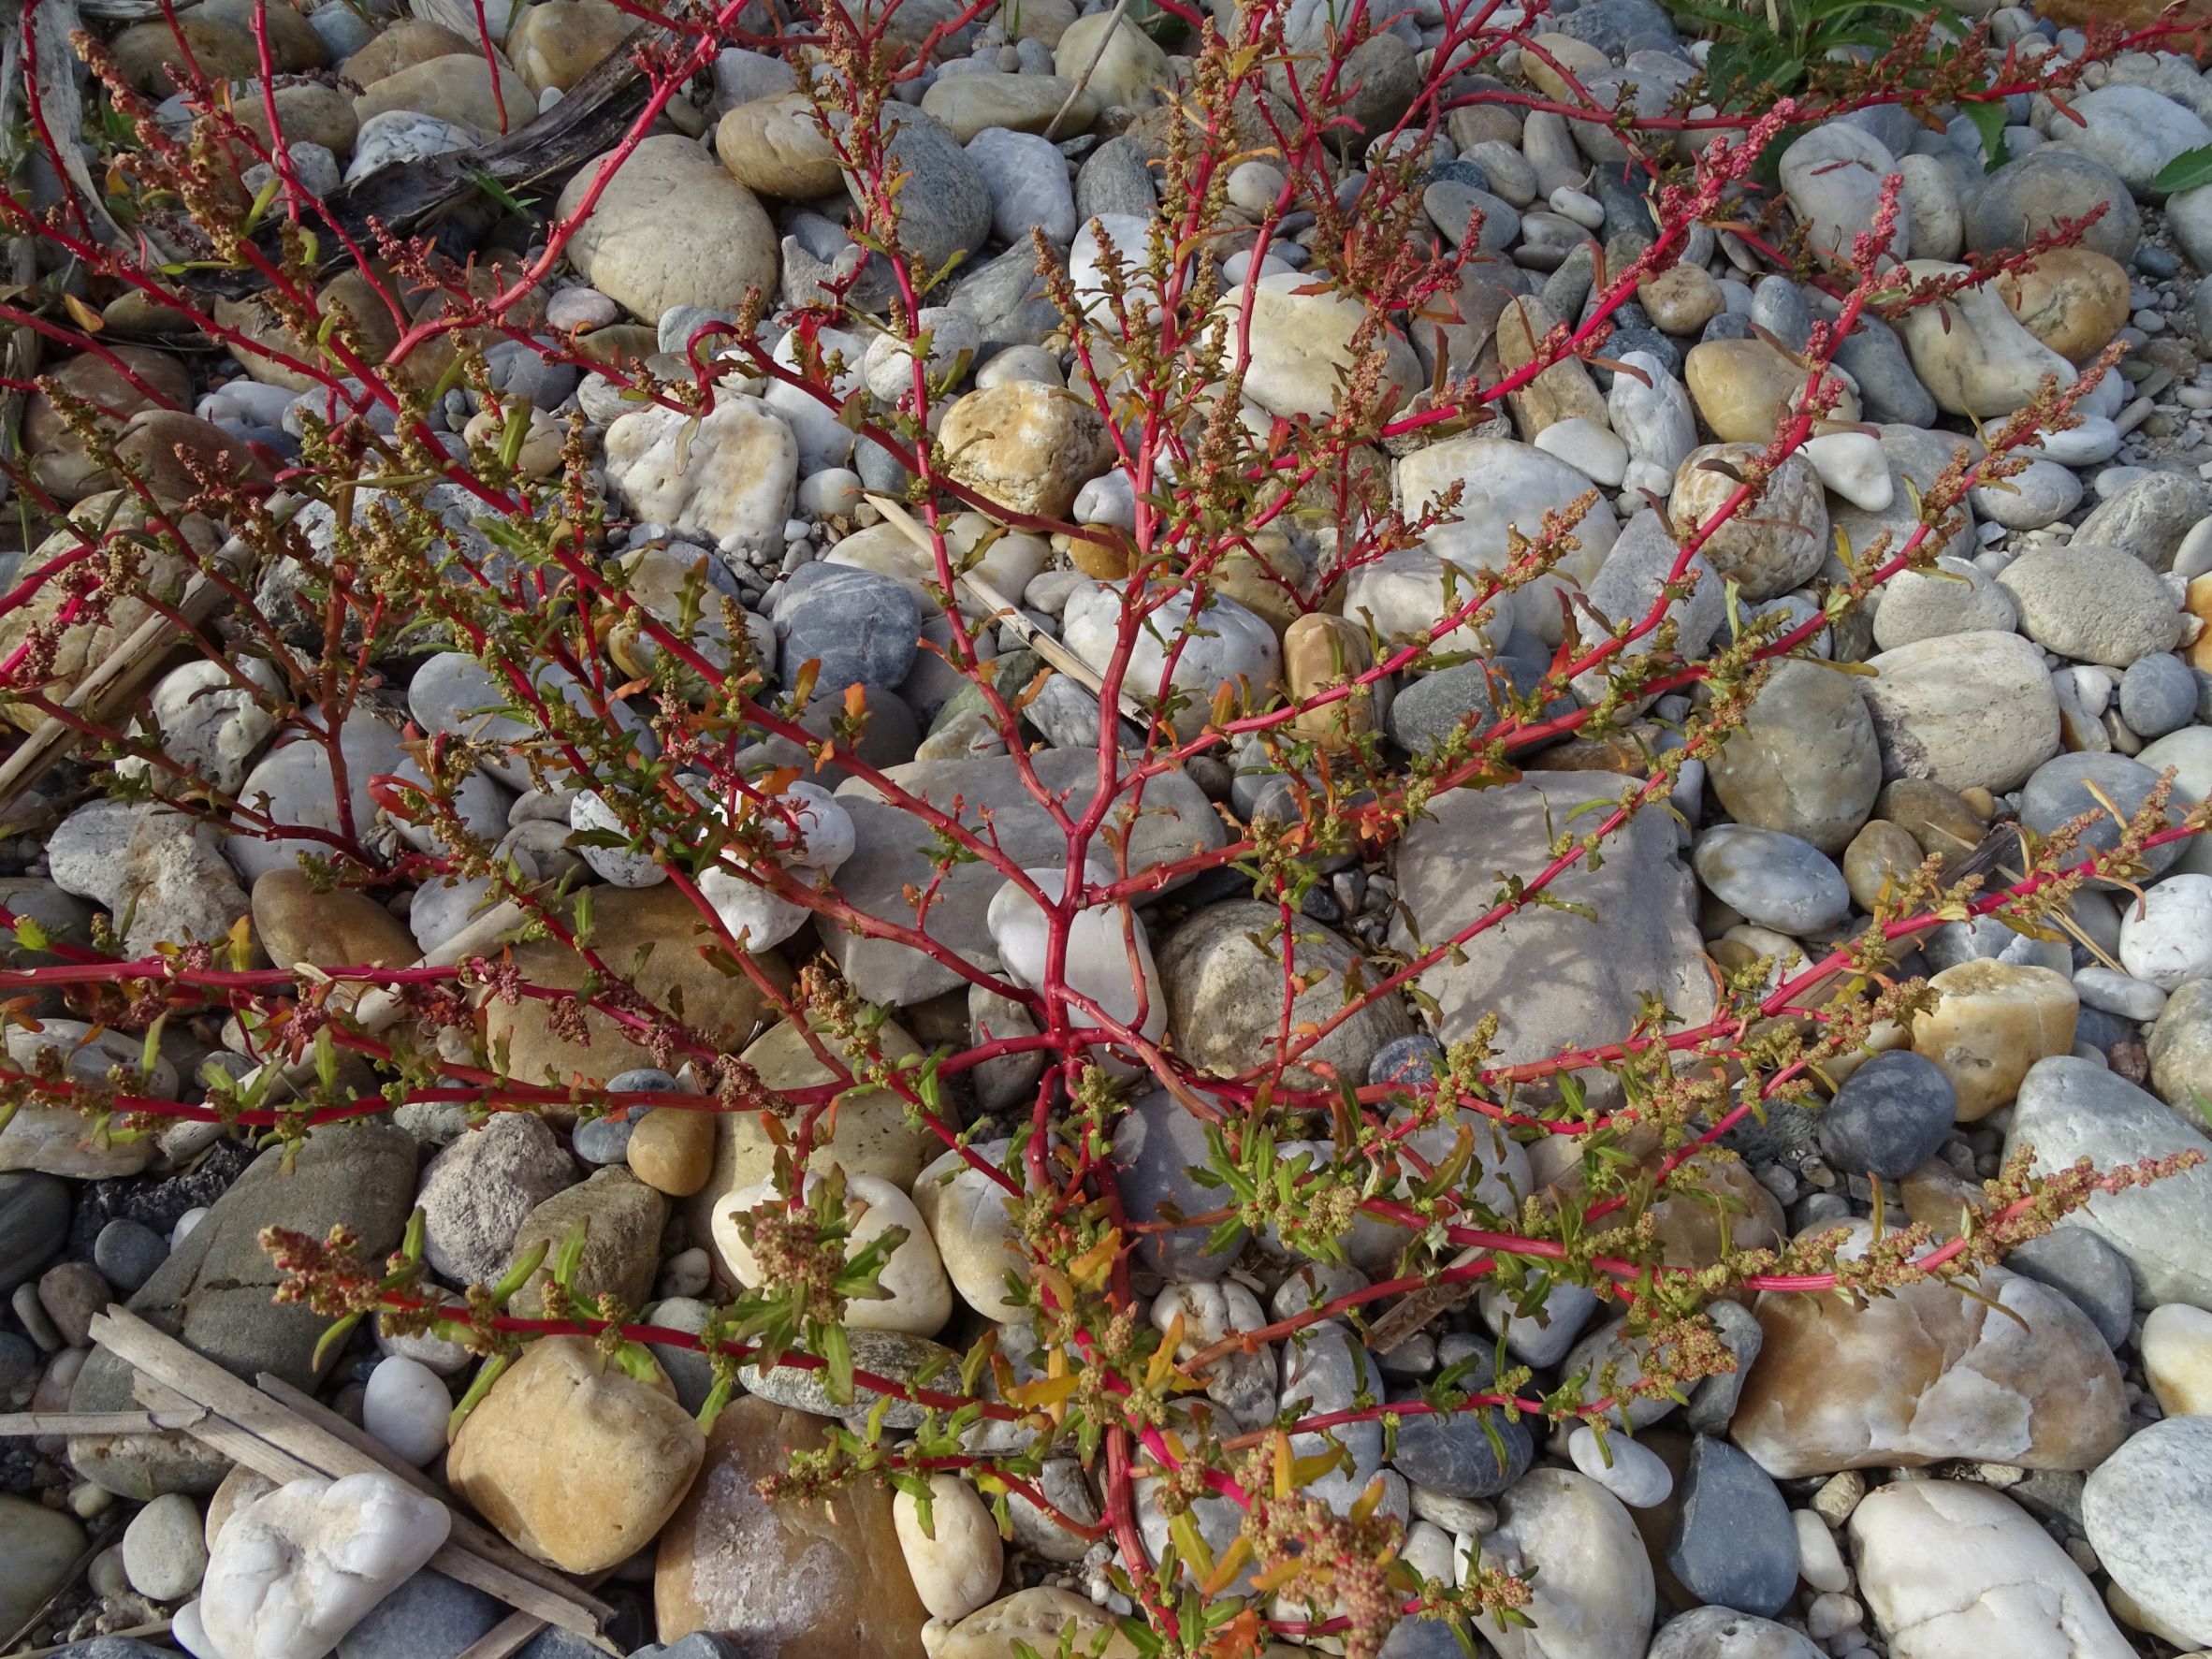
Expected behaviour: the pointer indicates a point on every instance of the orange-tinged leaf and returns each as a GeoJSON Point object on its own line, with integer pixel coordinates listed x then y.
{"type": "Point", "coordinates": [1040, 1393]}
{"type": "Point", "coordinates": [1275, 1577]}
{"type": "Point", "coordinates": [1225, 1571]}
{"type": "Point", "coordinates": [82, 314]}
{"type": "Point", "coordinates": [1285, 1485]}
{"type": "Point", "coordinates": [1090, 1269]}
{"type": "Point", "coordinates": [856, 701]}
{"type": "Point", "coordinates": [1368, 1501]}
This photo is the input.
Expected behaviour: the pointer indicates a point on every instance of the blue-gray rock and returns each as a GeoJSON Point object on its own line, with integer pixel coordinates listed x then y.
{"type": "Point", "coordinates": [1806, 761]}
{"type": "Point", "coordinates": [1780, 308]}
{"type": "Point", "coordinates": [1456, 1455]}
{"type": "Point", "coordinates": [1712, 1403]}
{"type": "Point", "coordinates": [944, 208]}
{"type": "Point", "coordinates": [215, 1292]}
{"type": "Point", "coordinates": [2085, 1270]}
{"type": "Point", "coordinates": [862, 628]}
{"type": "Point", "coordinates": [700, 1644]}
{"type": "Point", "coordinates": [1620, 189]}
{"type": "Point", "coordinates": [2068, 1109]}
{"type": "Point", "coordinates": [34, 1221]}
{"type": "Point", "coordinates": [18, 1363]}
{"type": "Point", "coordinates": [1006, 301]}
{"type": "Point", "coordinates": [1891, 1116]}
{"type": "Point", "coordinates": [2149, 517]}
{"type": "Point", "coordinates": [1117, 179]}
{"type": "Point", "coordinates": [2147, 1511]}
{"type": "Point", "coordinates": [555, 1643]}
{"type": "Point", "coordinates": [518, 369]}
{"type": "Point", "coordinates": [113, 1647]}
{"type": "Point", "coordinates": [1155, 1146]}
{"type": "Point", "coordinates": [429, 1617]}
{"type": "Point", "coordinates": [2100, 1031]}
{"type": "Point", "coordinates": [1889, 390]}
{"type": "Point", "coordinates": [1619, 27]}
{"type": "Point", "coordinates": [1723, 1633]}
{"type": "Point", "coordinates": [1425, 711]}
{"type": "Point", "coordinates": [1732, 1544]}
{"type": "Point", "coordinates": [2058, 792]}
{"type": "Point", "coordinates": [603, 1141]}
{"type": "Point", "coordinates": [1625, 340]}
{"type": "Point", "coordinates": [1726, 325]}
{"type": "Point", "coordinates": [2158, 695]}
{"type": "Point", "coordinates": [1775, 879]}
{"type": "Point", "coordinates": [1410, 1059]}
{"type": "Point", "coordinates": [127, 1252]}
{"type": "Point", "coordinates": [2156, 263]}
{"type": "Point", "coordinates": [1461, 171]}
{"type": "Point", "coordinates": [1451, 205]}
{"type": "Point", "coordinates": [2032, 194]}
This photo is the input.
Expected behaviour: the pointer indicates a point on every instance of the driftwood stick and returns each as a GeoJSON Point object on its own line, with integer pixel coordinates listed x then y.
{"type": "Point", "coordinates": [270, 1436]}
{"type": "Point", "coordinates": [124, 672]}
{"type": "Point", "coordinates": [1004, 610]}
{"type": "Point", "coordinates": [25, 1424]}
{"type": "Point", "coordinates": [587, 122]}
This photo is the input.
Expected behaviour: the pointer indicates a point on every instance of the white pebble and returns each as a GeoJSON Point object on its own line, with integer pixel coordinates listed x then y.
{"type": "Point", "coordinates": [185, 1223]}
{"type": "Point", "coordinates": [831, 493]}
{"type": "Point", "coordinates": [1830, 1615]}
{"type": "Point", "coordinates": [1636, 1474]}
{"type": "Point", "coordinates": [1820, 1563]}
{"type": "Point", "coordinates": [405, 1407]}
{"type": "Point", "coordinates": [1852, 465]}
{"type": "Point", "coordinates": [1587, 447]}
{"type": "Point", "coordinates": [1584, 211]}
{"type": "Point", "coordinates": [164, 1552]}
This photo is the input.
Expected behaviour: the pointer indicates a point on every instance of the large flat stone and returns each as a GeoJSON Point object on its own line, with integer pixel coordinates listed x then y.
{"type": "Point", "coordinates": [1555, 978]}
{"type": "Point", "coordinates": [893, 849]}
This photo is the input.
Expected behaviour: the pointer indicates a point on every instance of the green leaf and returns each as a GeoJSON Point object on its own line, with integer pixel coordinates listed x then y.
{"type": "Point", "coordinates": [2185, 171]}
{"type": "Point", "coordinates": [1989, 121]}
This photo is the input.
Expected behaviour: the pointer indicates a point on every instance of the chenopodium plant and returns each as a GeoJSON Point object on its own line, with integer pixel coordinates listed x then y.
{"type": "Point", "coordinates": [304, 588]}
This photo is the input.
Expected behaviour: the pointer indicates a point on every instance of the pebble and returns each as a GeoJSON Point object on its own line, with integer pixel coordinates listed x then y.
{"type": "Point", "coordinates": [1890, 1117]}
{"type": "Point", "coordinates": [1630, 1472]}
{"type": "Point", "coordinates": [405, 1407]}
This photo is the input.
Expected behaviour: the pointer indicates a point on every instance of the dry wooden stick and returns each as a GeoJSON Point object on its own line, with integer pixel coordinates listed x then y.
{"type": "Point", "coordinates": [268, 1435]}
{"type": "Point", "coordinates": [25, 1425]}
{"type": "Point", "coordinates": [1003, 609]}
{"type": "Point", "coordinates": [127, 668]}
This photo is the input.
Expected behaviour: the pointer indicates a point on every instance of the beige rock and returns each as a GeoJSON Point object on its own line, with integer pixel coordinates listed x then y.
{"type": "Point", "coordinates": [1681, 299]}
{"type": "Point", "coordinates": [85, 642]}
{"type": "Point", "coordinates": [340, 928]}
{"type": "Point", "coordinates": [1879, 855]}
{"type": "Point", "coordinates": [723, 1007]}
{"type": "Point", "coordinates": [967, 104]}
{"type": "Point", "coordinates": [872, 1136]}
{"type": "Point", "coordinates": [916, 1299]}
{"type": "Point", "coordinates": [540, 454]}
{"type": "Point", "coordinates": [458, 87]}
{"type": "Point", "coordinates": [171, 453]}
{"type": "Point", "coordinates": [1035, 1616]}
{"type": "Point", "coordinates": [967, 1214]}
{"type": "Point", "coordinates": [1301, 348]}
{"type": "Point", "coordinates": [557, 42]}
{"type": "Point", "coordinates": [404, 43]}
{"type": "Point", "coordinates": [1746, 389]}
{"type": "Point", "coordinates": [1927, 1374]}
{"type": "Point", "coordinates": [295, 46]}
{"type": "Point", "coordinates": [672, 1150]}
{"type": "Point", "coordinates": [622, 1218]}
{"type": "Point", "coordinates": [1043, 21]}
{"type": "Point", "coordinates": [1963, 710]}
{"type": "Point", "coordinates": [2178, 1357]}
{"type": "Point", "coordinates": [308, 113]}
{"type": "Point", "coordinates": [801, 1578]}
{"type": "Point", "coordinates": [1557, 51]}
{"type": "Point", "coordinates": [776, 146]}
{"type": "Point", "coordinates": [1321, 651]}
{"type": "Point", "coordinates": [575, 1462]}
{"type": "Point", "coordinates": [726, 478]}
{"type": "Point", "coordinates": [1131, 70]}
{"type": "Point", "coordinates": [1774, 540]}
{"type": "Point", "coordinates": [375, 332]}
{"type": "Point", "coordinates": [2073, 299]}
{"type": "Point", "coordinates": [58, 458]}
{"type": "Point", "coordinates": [955, 1562]}
{"type": "Point", "coordinates": [1972, 352]}
{"type": "Point", "coordinates": [672, 229]}
{"type": "Point", "coordinates": [1565, 391]}
{"type": "Point", "coordinates": [1996, 1019]}
{"type": "Point", "coordinates": [1027, 446]}
{"type": "Point", "coordinates": [150, 55]}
